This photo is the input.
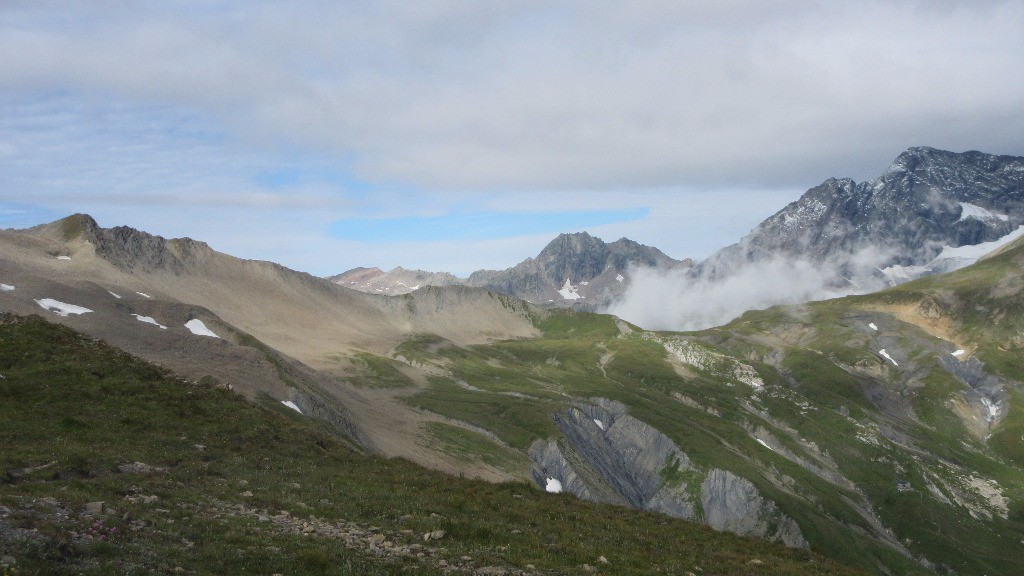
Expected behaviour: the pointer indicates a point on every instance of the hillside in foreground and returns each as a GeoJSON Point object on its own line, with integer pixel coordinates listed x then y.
{"type": "Point", "coordinates": [112, 465]}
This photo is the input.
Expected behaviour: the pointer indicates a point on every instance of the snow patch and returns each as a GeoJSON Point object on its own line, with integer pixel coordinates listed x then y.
{"type": "Point", "coordinates": [6, 288]}
{"type": "Point", "coordinates": [599, 423]}
{"type": "Point", "coordinates": [959, 352]}
{"type": "Point", "coordinates": [763, 443]}
{"type": "Point", "coordinates": [291, 405]}
{"type": "Point", "coordinates": [197, 327]}
{"type": "Point", "coordinates": [61, 308]}
{"type": "Point", "coordinates": [887, 357]}
{"type": "Point", "coordinates": [619, 278]}
{"type": "Point", "coordinates": [568, 291]}
{"type": "Point", "coordinates": [978, 213]}
{"type": "Point", "coordinates": [143, 294]}
{"type": "Point", "coordinates": [63, 257]}
{"type": "Point", "coordinates": [949, 259]}
{"type": "Point", "coordinates": [118, 296]}
{"type": "Point", "coordinates": [972, 252]}
{"type": "Point", "coordinates": [897, 274]}
{"type": "Point", "coordinates": [585, 283]}
{"type": "Point", "coordinates": [553, 485]}
{"type": "Point", "coordinates": [872, 326]}
{"type": "Point", "coordinates": [149, 320]}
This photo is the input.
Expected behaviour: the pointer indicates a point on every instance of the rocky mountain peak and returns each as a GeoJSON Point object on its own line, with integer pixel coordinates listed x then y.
{"type": "Point", "coordinates": [573, 270]}
{"type": "Point", "coordinates": [126, 247]}
{"type": "Point", "coordinates": [927, 200]}
{"type": "Point", "coordinates": [579, 254]}
{"type": "Point", "coordinates": [969, 173]}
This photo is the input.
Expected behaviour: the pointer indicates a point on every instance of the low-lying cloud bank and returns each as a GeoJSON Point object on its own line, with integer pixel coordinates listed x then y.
{"type": "Point", "coordinates": [683, 300]}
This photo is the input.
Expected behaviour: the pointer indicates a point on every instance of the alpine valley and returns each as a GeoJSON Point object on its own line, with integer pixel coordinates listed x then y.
{"type": "Point", "coordinates": [166, 408]}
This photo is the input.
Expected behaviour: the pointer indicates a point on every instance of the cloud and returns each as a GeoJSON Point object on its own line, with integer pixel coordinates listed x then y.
{"type": "Point", "coordinates": [503, 95]}
{"type": "Point", "coordinates": [682, 300]}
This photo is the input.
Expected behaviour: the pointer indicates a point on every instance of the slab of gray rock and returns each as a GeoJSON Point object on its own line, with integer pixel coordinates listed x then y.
{"type": "Point", "coordinates": [608, 456]}
{"type": "Point", "coordinates": [733, 504]}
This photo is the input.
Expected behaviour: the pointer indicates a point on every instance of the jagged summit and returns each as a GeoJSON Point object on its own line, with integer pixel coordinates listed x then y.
{"type": "Point", "coordinates": [125, 247]}
{"type": "Point", "coordinates": [926, 201]}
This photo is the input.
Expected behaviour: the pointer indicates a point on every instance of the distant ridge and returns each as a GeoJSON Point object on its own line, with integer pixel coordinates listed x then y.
{"type": "Point", "coordinates": [573, 271]}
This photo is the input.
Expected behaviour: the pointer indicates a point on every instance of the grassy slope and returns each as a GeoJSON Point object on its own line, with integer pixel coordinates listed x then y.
{"type": "Point", "coordinates": [79, 409]}
{"type": "Point", "coordinates": [564, 364]}
{"type": "Point", "coordinates": [812, 396]}
{"type": "Point", "coordinates": [982, 308]}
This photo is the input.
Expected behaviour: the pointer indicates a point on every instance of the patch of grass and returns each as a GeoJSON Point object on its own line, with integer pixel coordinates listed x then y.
{"type": "Point", "coordinates": [561, 323]}
{"type": "Point", "coordinates": [471, 446]}
{"type": "Point", "coordinates": [517, 421]}
{"type": "Point", "coordinates": [1008, 439]}
{"type": "Point", "coordinates": [421, 347]}
{"type": "Point", "coordinates": [378, 371]}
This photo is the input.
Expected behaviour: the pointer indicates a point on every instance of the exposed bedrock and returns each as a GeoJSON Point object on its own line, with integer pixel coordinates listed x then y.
{"type": "Point", "coordinates": [732, 504]}
{"type": "Point", "coordinates": [607, 455]}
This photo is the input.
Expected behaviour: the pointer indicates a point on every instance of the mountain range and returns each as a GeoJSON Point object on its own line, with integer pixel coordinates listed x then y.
{"type": "Point", "coordinates": [883, 430]}
{"type": "Point", "coordinates": [573, 271]}
{"type": "Point", "coordinates": [931, 211]}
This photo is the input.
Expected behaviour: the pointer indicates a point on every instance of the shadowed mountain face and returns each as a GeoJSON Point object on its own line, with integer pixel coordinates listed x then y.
{"type": "Point", "coordinates": [573, 271]}
{"type": "Point", "coordinates": [926, 200]}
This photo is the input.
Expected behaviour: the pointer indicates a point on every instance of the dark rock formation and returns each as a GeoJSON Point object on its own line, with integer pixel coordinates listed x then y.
{"type": "Point", "coordinates": [127, 248]}
{"type": "Point", "coordinates": [608, 456]}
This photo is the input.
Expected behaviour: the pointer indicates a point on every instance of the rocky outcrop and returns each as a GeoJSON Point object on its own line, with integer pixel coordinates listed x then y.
{"type": "Point", "coordinates": [608, 456]}
{"type": "Point", "coordinates": [127, 248]}
{"type": "Point", "coordinates": [733, 504]}
{"type": "Point", "coordinates": [984, 392]}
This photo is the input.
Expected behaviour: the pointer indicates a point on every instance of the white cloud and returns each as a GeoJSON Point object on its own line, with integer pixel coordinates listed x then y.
{"type": "Point", "coordinates": [521, 95]}
{"type": "Point", "coordinates": [682, 301]}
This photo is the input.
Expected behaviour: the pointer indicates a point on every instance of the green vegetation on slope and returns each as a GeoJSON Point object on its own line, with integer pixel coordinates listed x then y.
{"type": "Point", "coordinates": [844, 423]}
{"type": "Point", "coordinates": [196, 480]}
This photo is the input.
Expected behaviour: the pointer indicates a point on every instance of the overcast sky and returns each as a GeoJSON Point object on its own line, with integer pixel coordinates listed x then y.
{"type": "Point", "coordinates": [462, 135]}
